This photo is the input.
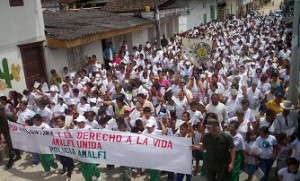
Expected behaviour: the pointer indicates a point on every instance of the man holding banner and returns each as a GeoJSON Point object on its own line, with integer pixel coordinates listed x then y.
{"type": "Point", "coordinates": [88, 169]}
{"type": "Point", "coordinates": [151, 129]}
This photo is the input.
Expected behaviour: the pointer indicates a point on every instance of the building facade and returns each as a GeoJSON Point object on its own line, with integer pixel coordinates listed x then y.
{"type": "Point", "coordinates": [21, 44]}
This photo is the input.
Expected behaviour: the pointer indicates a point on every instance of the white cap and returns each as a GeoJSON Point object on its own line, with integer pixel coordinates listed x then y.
{"type": "Point", "coordinates": [80, 119]}
{"type": "Point", "coordinates": [53, 88]}
{"type": "Point", "coordinates": [150, 124]}
{"type": "Point", "coordinates": [178, 123]}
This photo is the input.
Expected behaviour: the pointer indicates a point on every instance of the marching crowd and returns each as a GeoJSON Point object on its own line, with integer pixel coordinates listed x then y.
{"type": "Point", "coordinates": [233, 106]}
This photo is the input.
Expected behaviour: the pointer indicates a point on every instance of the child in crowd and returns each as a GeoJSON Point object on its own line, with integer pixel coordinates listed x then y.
{"type": "Point", "coordinates": [88, 169]}
{"type": "Point", "coordinates": [268, 144]}
{"type": "Point", "coordinates": [284, 151]}
{"type": "Point", "coordinates": [198, 155]}
{"type": "Point", "coordinates": [251, 151]}
{"type": "Point", "coordinates": [139, 126]}
{"type": "Point", "coordinates": [67, 162]}
{"type": "Point", "coordinates": [126, 170]}
{"type": "Point", "coordinates": [185, 130]}
{"type": "Point", "coordinates": [291, 172]}
{"type": "Point", "coordinates": [296, 146]}
{"type": "Point", "coordinates": [90, 116]}
{"type": "Point", "coordinates": [47, 160]}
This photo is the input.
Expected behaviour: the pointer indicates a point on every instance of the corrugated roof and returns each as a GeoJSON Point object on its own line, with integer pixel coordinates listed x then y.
{"type": "Point", "coordinates": [70, 25]}
{"type": "Point", "coordinates": [119, 6]}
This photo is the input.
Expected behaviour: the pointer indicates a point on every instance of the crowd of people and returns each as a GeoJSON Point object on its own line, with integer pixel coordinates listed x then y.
{"type": "Point", "coordinates": [234, 106]}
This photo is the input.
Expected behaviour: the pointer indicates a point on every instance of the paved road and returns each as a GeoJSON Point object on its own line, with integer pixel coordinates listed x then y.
{"type": "Point", "coordinates": [23, 171]}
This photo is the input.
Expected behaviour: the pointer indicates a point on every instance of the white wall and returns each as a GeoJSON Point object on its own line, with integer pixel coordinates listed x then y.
{"type": "Point", "coordinates": [94, 48]}
{"type": "Point", "coordinates": [21, 24]}
{"type": "Point", "coordinates": [13, 56]}
{"type": "Point", "coordinates": [55, 59]}
{"type": "Point", "coordinates": [197, 9]}
{"type": "Point", "coordinates": [58, 58]}
{"type": "Point", "coordinates": [140, 37]}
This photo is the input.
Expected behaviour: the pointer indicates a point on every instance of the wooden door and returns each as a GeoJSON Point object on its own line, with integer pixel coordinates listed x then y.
{"type": "Point", "coordinates": [33, 60]}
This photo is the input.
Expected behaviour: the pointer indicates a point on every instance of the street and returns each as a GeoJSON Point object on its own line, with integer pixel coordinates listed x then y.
{"type": "Point", "coordinates": [23, 170]}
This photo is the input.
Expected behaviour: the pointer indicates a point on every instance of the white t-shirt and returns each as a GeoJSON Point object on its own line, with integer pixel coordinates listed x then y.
{"type": "Point", "coordinates": [94, 124]}
{"type": "Point", "coordinates": [296, 145]}
{"type": "Point", "coordinates": [220, 110]}
{"type": "Point", "coordinates": [266, 146]}
{"type": "Point", "coordinates": [195, 116]}
{"type": "Point", "coordinates": [59, 109]}
{"type": "Point", "coordinates": [24, 115]}
{"type": "Point", "coordinates": [155, 132]}
{"type": "Point", "coordinates": [238, 142]}
{"type": "Point", "coordinates": [46, 113]}
{"type": "Point", "coordinates": [286, 176]}
{"type": "Point", "coordinates": [85, 127]}
{"type": "Point", "coordinates": [42, 126]}
{"type": "Point", "coordinates": [249, 148]}
{"type": "Point", "coordinates": [82, 108]}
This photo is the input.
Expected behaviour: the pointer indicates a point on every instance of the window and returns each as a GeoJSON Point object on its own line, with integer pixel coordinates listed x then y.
{"type": "Point", "coordinates": [212, 12]}
{"type": "Point", "coordinates": [16, 3]}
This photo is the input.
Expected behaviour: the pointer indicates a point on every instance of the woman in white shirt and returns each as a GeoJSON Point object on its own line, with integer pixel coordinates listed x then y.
{"type": "Point", "coordinates": [83, 106]}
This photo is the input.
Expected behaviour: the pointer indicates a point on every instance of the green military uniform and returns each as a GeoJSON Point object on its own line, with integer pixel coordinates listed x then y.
{"type": "Point", "coordinates": [238, 162]}
{"type": "Point", "coordinates": [47, 161]}
{"type": "Point", "coordinates": [218, 155]}
{"type": "Point", "coordinates": [154, 175]}
{"type": "Point", "coordinates": [89, 170]}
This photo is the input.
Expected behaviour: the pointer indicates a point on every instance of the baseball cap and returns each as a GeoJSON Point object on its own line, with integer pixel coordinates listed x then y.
{"type": "Point", "coordinates": [150, 124]}
{"type": "Point", "coordinates": [80, 119]}
{"type": "Point", "coordinates": [233, 92]}
{"type": "Point", "coordinates": [212, 123]}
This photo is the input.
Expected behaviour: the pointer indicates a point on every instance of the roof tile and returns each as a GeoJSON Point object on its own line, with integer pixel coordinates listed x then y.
{"type": "Point", "coordinates": [69, 25]}
{"type": "Point", "coordinates": [119, 6]}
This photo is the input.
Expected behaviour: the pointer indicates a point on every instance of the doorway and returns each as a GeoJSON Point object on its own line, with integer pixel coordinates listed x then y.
{"type": "Point", "coordinates": [33, 60]}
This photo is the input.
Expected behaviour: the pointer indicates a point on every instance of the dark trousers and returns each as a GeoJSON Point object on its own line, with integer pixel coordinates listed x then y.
{"type": "Point", "coordinates": [265, 166]}
{"type": "Point", "coordinates": [67, 163]}
{"type": "Point", "coordinates": [171, 176]}
{"type": "Point", "coordinates": [218, 174]}
{"type": "Point", "coordinates": [12, 153]}
{"type": "Point", "coordinates": [180, 177]}
{"type": "Point", "coordinates": [106, 63]}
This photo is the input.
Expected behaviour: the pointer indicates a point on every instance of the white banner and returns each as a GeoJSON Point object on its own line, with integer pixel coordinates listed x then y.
{"type": "Point", "coordinates": [109, 147]}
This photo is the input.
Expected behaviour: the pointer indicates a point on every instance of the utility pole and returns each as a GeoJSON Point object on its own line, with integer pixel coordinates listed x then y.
{"type": "Point", "coordinates": [157, 23]}
{"type": "Point", "coordinates": [295, 65]}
